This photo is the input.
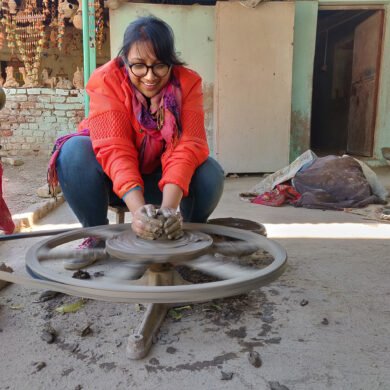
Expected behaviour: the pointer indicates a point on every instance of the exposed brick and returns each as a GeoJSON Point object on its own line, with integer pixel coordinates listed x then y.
{"type": "Point", "coordinates": [6, 133]}
{"type": "Point", "coordinates": [27, 105]}
{"type": "Point", "coordinates": [31, 120]}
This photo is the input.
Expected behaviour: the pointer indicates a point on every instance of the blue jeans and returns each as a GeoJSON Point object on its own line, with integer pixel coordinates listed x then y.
{"type": "Point", "coordinates": [88, 190]}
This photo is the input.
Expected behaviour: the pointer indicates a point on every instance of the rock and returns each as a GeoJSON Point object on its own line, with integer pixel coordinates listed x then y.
{"type": "Point", "coordinates": [277, 386]}
{"type": "Point", "coordinates": [254, 359]}
{"type": "Point", "coordinates": [39, 366]}
{"type": "Point", "coordinates": [86, 330]}
{"type": "Point", "coordinates": [12, 161]}
{"type": "Point", "coordinates": [44, 191]}
{"type": "Point", "coordinates": [226, 376]}
{"type": "Point", "coordinates": [47, 295]}
{"type": "Point", "coordinates": [80, 274]}
{"type": "Point", "coordinates": [5, 268]}
{"type": "Point", "coordinates": [49, 334]}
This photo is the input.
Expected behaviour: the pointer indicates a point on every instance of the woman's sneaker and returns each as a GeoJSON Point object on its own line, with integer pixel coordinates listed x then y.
{"type": "Point", "coordinates": [88, 243]}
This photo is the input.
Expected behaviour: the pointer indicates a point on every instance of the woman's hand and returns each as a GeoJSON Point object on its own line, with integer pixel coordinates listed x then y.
{"type": "Point", "coordinates": [173, 222]}
{"type": "Point", "coordinates": [145, 223]}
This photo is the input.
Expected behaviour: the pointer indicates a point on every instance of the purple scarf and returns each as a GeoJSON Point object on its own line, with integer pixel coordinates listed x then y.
{"type": "Point", "coordinates": [161, 123]}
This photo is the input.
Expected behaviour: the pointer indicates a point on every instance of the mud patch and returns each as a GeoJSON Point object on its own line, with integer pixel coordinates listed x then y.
{"type": "Point", "coordinates": [197, 366]}
{"type": "Point", "coordinates": [237, 333]}
{"type": "Point", "coordinates": [107, 366]}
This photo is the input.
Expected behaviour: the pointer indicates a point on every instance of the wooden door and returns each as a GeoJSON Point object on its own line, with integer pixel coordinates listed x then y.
{"type": "Point", "coordinates": [364, 88]}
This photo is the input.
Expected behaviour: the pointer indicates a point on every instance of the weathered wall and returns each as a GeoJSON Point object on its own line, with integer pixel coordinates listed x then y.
{"type": "Point", "coordinates": [253, 85]}
{"type": "Point", "coordinates": [34, 118]}
{"type": "Point", "coordinates": [193, 27]}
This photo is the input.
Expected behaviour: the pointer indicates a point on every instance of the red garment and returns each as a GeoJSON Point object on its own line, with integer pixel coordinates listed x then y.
{"type": "Point", "coordinates": [280, 195]}
{"type": "Point", "coordinates": [6, 223]}
{"type": "Point", "coordinates": [117, 136]}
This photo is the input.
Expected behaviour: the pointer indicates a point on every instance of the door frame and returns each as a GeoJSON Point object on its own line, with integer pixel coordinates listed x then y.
{"type": "Point", "coordinates": [306, 15]}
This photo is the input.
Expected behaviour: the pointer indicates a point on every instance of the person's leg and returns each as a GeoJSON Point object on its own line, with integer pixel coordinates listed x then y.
{"type": "Point", "coordinates": [152, 193]}
{"type": "Point", "coordinates": [204, 193]}
{"type": "Point", "coordinates": [84, 184]}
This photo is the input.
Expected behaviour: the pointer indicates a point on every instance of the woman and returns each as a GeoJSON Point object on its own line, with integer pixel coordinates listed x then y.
{"type": "Point", "coordinates": [147, 143]}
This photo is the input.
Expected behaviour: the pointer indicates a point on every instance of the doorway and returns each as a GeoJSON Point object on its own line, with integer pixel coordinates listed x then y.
{"type": "Point", "coordinates": [345, 81]}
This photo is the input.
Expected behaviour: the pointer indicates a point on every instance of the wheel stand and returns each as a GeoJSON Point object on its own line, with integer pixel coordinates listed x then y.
{"type": "Point", "coordinates": [140, 342]}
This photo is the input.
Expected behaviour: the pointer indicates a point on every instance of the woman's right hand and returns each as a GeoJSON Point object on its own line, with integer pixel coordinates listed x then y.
{"type": "Point", "coordinates": [145, 223]}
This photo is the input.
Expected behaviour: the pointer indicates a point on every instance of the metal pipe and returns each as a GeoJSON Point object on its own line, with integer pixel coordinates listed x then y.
{"type": "Point", "coordinates": [86, 58]}
{"type": "Point", "coordinates": [39, 233]}
{"type": "Point", "coordinates": [92, 37]}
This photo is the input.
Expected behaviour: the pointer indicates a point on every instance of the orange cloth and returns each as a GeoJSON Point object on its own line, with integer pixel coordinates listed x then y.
{"type": "Point", "coordinates": [117, 136]}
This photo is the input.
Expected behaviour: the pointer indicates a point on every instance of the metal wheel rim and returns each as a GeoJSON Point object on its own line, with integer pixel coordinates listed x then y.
{"type": "Point", "coordinates": [161, 294]}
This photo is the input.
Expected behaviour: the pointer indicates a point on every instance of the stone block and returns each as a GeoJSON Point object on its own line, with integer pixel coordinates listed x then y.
{"type": "Point", "coordinates": [21, 91]}
{"type": "Point", "coordinates": [10, 91]}
{"type": "Point", "coordinates": [17, 98]}
{"type": "Point", "coordinates": [63, 92]}
{"type": "Point", "coordinates": [62, 120]}
{"type": "Point", "coordinates": [44, 99]}
{"type": "Point", "coordinates": [76, 99]}
{"type": "Point", "coordinates": [58, 99]}
{"type": "Point", "coordinates": [34, 91]}
{"type": "Point", "coordinates": [69, 106]}
{"type": "Point", "coordinates": [12, 161]}
{"type": "Point", "coordinates": [51, 119]}
{"type": "Point", "coordinates": [59, 113]}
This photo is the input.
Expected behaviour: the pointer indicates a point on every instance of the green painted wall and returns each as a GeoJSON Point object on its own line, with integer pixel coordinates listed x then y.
{"type": "Point", "coordinates": [305, 25]}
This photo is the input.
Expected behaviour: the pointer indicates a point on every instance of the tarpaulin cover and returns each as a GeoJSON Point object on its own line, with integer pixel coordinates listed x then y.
{"type": "Point", "coordinates": [334, 182]}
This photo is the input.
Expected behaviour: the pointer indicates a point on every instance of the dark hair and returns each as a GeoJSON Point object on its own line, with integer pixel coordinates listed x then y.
{"type": "Point", "coordinates": [156, 31]}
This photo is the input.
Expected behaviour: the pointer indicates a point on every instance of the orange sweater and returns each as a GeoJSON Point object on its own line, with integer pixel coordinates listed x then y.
{"type": "Point", "coordinates": [117, 136]}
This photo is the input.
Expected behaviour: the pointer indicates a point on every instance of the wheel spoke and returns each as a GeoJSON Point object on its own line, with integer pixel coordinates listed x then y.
{"type": "Point", "coordinates": [126, 272]}
{"type": "Point", "coordinates": [210, 266]}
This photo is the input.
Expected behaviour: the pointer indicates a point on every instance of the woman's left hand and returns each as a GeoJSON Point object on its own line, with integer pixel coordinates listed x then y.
{"type": "Point", "coordinates": [173, 222]}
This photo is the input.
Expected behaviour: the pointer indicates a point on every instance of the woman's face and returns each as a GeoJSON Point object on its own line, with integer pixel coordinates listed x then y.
{"type": "Point", "coordinates": [150, 84]}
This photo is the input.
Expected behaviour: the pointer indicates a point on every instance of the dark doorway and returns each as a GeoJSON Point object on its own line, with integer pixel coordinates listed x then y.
{"type": "Point", "coordinates": [345, 81]}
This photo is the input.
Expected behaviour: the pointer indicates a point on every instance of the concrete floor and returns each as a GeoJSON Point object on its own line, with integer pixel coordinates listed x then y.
{"type": "Point", "coordinates": [338, 262]}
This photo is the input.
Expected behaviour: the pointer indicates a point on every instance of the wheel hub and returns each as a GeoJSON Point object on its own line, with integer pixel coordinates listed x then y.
{"type": "Point", "coordinates": [128, 246]}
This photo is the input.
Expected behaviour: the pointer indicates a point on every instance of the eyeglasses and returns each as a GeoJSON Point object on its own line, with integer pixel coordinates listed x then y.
{"type": "Point", "coordinates": [141, 70]}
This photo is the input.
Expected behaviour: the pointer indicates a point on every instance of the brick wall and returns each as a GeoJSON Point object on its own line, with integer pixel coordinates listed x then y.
{"type": "Point", "coordinates": [34, 118]}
